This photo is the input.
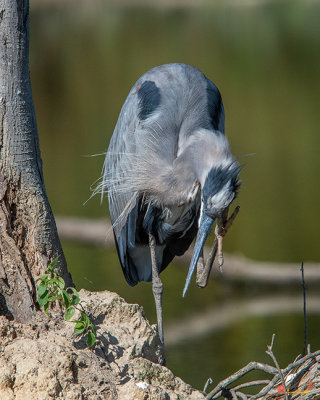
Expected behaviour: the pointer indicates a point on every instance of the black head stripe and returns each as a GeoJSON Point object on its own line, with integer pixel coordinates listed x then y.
{"type": "Point", "coordinates": [149, 99]}
{"type": "Point", "coordinates": [218, 177]}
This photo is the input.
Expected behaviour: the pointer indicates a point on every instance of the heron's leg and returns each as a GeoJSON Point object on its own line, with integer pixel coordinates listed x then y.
{"type": "Point", "coordinates": [157, 286]}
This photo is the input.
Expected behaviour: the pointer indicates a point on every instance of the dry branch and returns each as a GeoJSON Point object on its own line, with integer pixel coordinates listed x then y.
{"type": "Point", "coordinates": [271, 354]}
{"type": "Point", "coordinates": [301, 378]}
{"type": "Point", "coordinates": [252, 366]}
{"type": "Point", "coordinates": [238, 268]}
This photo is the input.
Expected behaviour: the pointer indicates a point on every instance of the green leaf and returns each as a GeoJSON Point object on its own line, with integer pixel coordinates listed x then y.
{"type": "Point", "coordinates": [79, 328]}
{"type": "Point", "coordinates": [60, 282]}
{"type": "Point", "coordinates": [91, 339]}
{"type": "Point", "coordinates": [73, 289]}
{"type": "Point", "coordinates": [69, 313]}
{"type": "Point", "coordinates": [43, 278]}
{"type": "Point", "coordinates": [59, 294]}
{"type": "Point", "coordinates": [53, 265]}
{"type": "Point", "coordinates": [42, 300]}
{"type": "Point", "coordinates": [93, 328]}
{"type": "Point", "coordinates": [66, 299]}
{"type": "Point", "coordinates": [85, 319]}
{"type": "Point", "coordinates": [50, 270]}
{"type": "Point", "coordinates": [75, 296]}
{"type": "Point", "coordinates": [53, 281]}
{"type": "Point", "coordinates": [42, 289]}
{"type": "Point", "coordinates": [75, 299]}
{"type": "Point", "coordinates": [46, 308]}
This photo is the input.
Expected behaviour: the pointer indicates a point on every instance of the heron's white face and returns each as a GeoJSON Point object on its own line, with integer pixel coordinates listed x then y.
{"type": "Point", "coordinates": [216, 203]}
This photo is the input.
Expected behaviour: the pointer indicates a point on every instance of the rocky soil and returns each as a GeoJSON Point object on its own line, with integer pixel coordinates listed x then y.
{"type": "Point", "coordinates": [44, 360]}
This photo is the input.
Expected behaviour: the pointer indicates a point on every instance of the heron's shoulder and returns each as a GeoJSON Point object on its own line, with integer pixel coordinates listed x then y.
{"type": "Point", "coordinates": [172, 74]}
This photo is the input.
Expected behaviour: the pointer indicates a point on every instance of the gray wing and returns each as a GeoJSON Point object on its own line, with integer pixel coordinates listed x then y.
{"type": "Point", "coordinates": [117, 164]}
{"type": "Point", "coordinates": [136, 138]}
{"type": "Point", "coordinates": [123, 204]}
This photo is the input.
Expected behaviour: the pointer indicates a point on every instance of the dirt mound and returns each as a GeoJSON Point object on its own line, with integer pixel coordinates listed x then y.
{"type": "Point", "coordinates": [44, 360]}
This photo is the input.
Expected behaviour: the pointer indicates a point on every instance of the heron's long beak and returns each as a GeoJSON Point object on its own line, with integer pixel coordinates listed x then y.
{"type": "Point", "coordinates": [205, 225]}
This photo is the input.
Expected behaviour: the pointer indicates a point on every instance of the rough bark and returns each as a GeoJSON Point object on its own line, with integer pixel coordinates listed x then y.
{"type": "Point", "coordinates": [28, 234]}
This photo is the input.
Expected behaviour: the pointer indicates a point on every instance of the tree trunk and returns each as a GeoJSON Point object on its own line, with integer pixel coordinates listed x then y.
{"type": "Point", "coordinates": [28, 234]}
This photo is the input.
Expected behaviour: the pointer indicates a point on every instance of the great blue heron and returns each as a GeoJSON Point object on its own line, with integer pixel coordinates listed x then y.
{"type": "Point", "coordinates": [169, 172]}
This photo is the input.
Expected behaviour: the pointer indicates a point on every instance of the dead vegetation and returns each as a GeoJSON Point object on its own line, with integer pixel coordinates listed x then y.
{"type": "Point", "coordinates": [299, 380]}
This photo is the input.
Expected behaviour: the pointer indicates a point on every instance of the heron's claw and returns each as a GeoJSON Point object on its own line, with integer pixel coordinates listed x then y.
{"type": "Point", "coordinates": [222, 226]}
{"type": "Point", "coordinates": [220, 252]}
{"type": "Point", "coordinates": [220, 232]}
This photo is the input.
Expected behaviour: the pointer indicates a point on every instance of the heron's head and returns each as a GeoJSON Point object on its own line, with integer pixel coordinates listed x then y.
{"type": "Point", "coordinates": [218, 192]}
{"type": "Point", "coordinates": [220, 189]}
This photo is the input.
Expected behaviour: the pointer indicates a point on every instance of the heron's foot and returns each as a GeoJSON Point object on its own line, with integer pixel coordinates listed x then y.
{"type": "Point", "coordinates": [222, 227]}
{"type": "Point", "coordinates": [220, 257]}
{"type": "Point", "coordinates": [220, 232]}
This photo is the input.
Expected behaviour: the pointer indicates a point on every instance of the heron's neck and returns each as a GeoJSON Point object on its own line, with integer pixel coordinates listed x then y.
{"type": "Point", "coordinates": [202, 151]}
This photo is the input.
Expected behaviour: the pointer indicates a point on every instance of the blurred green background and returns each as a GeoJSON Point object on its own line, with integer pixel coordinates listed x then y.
{"type": "Point", "coordinates": [265, 59]}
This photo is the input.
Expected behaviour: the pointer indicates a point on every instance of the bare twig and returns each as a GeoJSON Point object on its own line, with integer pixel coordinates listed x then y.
{"type": "Point", "coordinates": [267, 388]}
{"type": "Point", "coordinates": [221, 388]}
{"type": "Point", "coordinates": [253, 365]}
{"type": "Point", "coordinates": [253, 383]}
{"type": "Point", "coordinates": [270, 353]}
{"type": "Point", "coordinates": [305, 335]}
{"type": "Point", "coordinates": [208, 383]}
{"type": "Point", "coordinates": [300, 361]}
{"type": "Point", "coordinates": [289, 368]}
{"type": "Point", "coordinates": [233, 394]}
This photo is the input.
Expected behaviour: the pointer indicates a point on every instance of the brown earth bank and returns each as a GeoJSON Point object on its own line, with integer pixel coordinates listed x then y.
{"type": "Point", "coordinates": [44, 360]}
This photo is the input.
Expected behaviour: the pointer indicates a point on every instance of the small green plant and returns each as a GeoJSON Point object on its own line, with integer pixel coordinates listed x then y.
{"type": "Point", "coordinates": [52, 289]}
